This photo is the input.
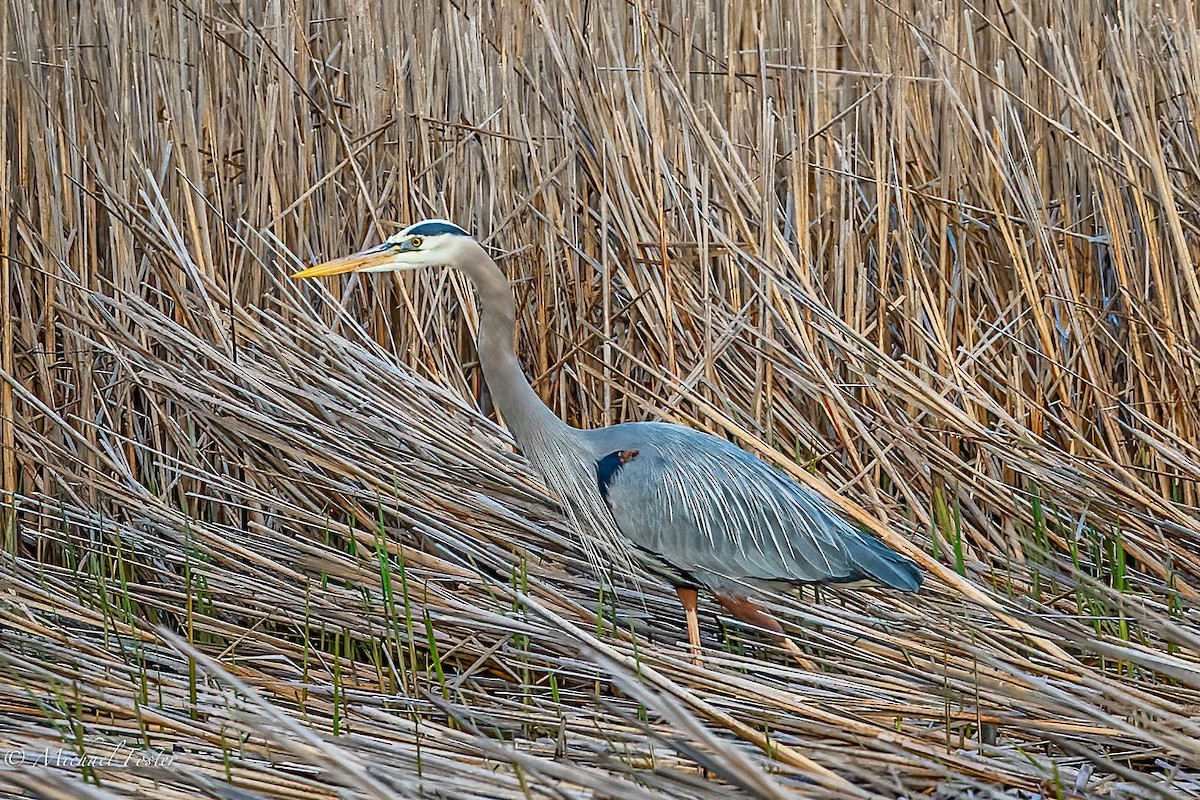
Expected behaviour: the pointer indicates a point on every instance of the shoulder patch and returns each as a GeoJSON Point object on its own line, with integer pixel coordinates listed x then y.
{"type": "Point", "coordinates": [607, 468]}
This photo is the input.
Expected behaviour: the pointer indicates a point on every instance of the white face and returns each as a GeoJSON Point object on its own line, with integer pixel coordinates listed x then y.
{"type": "Point", "coordinates": [431, 243]}
{"type": "Point", "coordinates": [415, 250]}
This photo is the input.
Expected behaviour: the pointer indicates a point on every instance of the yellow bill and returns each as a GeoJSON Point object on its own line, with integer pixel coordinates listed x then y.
{"type": "Point", "coordinates": [367, 259]}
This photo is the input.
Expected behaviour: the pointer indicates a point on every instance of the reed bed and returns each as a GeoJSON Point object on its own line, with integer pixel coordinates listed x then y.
{"type": "Point", "coordinates": [268, 540]}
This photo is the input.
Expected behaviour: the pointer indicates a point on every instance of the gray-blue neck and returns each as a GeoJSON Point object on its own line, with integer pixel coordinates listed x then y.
{"type": "Point", "coordinates": [559, 452]}
{"type": "Point", "coordinates": [530, 420]}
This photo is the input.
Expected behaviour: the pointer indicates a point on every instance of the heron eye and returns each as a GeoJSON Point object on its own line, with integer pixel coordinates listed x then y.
{"type": "Point", "coordinates": [415, 242]}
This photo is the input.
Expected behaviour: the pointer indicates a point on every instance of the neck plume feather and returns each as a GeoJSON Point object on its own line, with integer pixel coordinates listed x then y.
{"type": "Point", "coordinates": [558, 451]}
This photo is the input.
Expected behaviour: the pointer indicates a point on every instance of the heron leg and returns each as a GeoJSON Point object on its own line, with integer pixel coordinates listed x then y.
{"type": "Point", "coordinates": [689, 599]}
{"type": "Point", "coordinates": [746, 611]}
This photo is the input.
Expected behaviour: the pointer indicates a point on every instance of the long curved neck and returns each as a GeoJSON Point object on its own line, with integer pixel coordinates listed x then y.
{"type": "Point", "coordinates": [526, 415]}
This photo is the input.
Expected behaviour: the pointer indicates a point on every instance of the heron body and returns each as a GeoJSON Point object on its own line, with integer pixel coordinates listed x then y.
{"type": "Point", "coordinates": [693, 508]}
{"type": "Point", "coordinates": [727, 520]}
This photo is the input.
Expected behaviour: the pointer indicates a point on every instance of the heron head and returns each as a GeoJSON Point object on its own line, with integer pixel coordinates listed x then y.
{"type": "Point", "coordinates": [431, 243]}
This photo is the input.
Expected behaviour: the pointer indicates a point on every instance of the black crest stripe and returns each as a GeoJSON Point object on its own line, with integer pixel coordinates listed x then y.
{"type": "Point", "coordinates": [435, 229]}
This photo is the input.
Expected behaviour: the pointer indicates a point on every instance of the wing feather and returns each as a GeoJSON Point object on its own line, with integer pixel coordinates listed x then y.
{"type": "Point", "coordinates": [711, 509]}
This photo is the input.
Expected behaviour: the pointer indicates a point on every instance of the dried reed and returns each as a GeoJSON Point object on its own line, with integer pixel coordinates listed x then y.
{"type": "Point", "coordinates": [940, 257]}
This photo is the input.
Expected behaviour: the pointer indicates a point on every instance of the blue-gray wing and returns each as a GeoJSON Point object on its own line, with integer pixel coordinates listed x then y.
{"type": "Point", "coordinates": [713, 511]}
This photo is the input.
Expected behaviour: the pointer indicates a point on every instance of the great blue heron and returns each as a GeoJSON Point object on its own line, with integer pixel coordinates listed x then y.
{"type": "Point", "coordinates": [697, 510]}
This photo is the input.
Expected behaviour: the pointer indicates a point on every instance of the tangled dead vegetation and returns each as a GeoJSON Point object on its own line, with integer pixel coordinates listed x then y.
{"type": "Point", "coordinates": [260, 541]}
